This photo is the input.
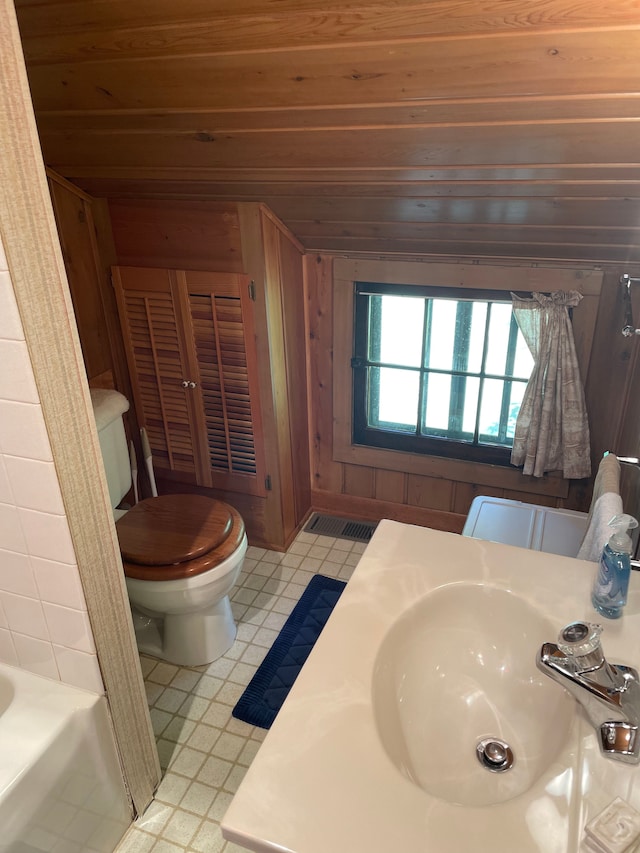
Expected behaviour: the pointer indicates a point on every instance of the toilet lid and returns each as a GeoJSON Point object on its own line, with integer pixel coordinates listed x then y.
{"type": "Point", "coordinates": [173, 529]}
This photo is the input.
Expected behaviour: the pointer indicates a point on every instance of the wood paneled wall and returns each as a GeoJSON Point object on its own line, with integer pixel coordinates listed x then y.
{"type": "Point", "coordinates": [286, 305]}
{"type": "Point", "coordinates": [177, 235]}
{"type": "Point", "coordinates": [442, 498]}
{"type": "Point", "coordinates": [86, 239]}
{"type": "Point", "coordinates": [73, 211]}
{"type": "Point", "coordinates": [210, 236]}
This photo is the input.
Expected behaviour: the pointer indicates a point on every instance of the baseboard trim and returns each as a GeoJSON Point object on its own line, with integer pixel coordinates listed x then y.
{"type": "Point", "coordinates": [374, 510]}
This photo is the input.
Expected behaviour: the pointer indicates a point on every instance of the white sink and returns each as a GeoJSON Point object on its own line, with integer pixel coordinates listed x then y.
{"type": "Point", "coordinates": [457, 669]}
{"type": "Point", "coordinates": [431, 648]}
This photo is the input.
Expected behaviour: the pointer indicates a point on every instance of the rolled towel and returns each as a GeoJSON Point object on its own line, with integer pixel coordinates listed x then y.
{"type": "Point", "coordinates": [605, 503]}
{"type": "Point", "coordinates": [608, 476]}
{"type": "Point", "coordinates": [598, 532]}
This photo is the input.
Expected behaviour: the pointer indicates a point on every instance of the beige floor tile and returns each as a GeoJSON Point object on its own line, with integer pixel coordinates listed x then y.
{"type": "Point", "coordinates": [203, 737]}
{"type": "Point", "coordinates": [220, 805]}
{"type": "Point", "coordinates": [170, 700]}
{"type": "Point", "coordinates": [136, 841]}
{"type": "Point", "coordinates": [242, 673]}
{"type": "Point", "coordinates": [172, 789]}
{"type": "Point", "coordinates": [186, 679]}
{"type": "Point", "coordinates": [255, 654]}
{"type": "Point", "coordinates": [207, 687]}
{"type": "Point", "coordinates": [188, 762]}
{"type": "Point", "coordinates": [163, 673]}
{"type": "Point", "coordinates": [343, 544]}
{"type": "Point", "coordinates": [155, 817]}
{"type": "Point", "coordinates": [179, 730]}
{"type": "Point", "coordinates": [217, 715]}
{"type": "Point", "coordinates": [199, 798]}
{"type": "Point", "coordinates": [265, 637]}
{"type": "Point", "coordinates": [228, 746]}
{"type": "Point", "coordinates": [164, 846]}
{"type": "Point", "coordinates": [209, 838]}
{"type": "Point", "coordinates": [182, 827]}
{"type": "Point", "coordinates": [272, 557]}
{"type": "Point", "coordinates": [301, 548]}
{"type": "Point", "coordinates": [203, 750]}
{"type": "Point", "coordinates": [230, 692]}
{"type": "Point", "coordinates": [214, 771]}
{"type": "Point", "coordinates": [232, 782]}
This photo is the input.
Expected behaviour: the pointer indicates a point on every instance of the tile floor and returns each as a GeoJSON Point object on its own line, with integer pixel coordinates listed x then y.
{"type": "Point", "coordinates": [204, 752]}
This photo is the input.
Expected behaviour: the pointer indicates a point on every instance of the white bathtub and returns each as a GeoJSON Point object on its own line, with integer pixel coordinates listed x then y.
{"type": "Point", "coordinates": [61, 789]}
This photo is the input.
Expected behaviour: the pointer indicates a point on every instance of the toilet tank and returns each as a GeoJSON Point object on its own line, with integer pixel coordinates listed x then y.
{"type": "Point", "coordinates": [108, 409]}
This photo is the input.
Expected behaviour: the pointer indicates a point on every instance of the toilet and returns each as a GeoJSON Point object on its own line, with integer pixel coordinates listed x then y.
{"type": "Point", "coordinates": [182, 554]}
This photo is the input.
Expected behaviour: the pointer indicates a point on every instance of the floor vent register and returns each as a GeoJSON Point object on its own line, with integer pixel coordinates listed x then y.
{"type": "Point", "coordinates": [341, 528]}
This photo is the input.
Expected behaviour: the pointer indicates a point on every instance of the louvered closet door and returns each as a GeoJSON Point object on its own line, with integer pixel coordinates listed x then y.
{"type": "Point", "coordinates": [158, 365]}
{"type": "Point", "coordinates": [221, 318]}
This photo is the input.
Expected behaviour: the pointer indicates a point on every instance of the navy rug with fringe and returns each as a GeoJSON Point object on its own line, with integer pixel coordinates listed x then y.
{"type": "Point", "coordinates": [274, 678]}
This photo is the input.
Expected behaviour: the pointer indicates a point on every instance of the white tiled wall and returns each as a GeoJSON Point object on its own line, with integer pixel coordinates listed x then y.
{"type": "Point", "coordinates": [44, 626]}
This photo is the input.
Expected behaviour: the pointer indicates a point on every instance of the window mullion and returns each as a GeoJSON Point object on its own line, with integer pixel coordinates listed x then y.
{"type": "Point", "coordinates": [423, 389]}
{"type": "Point", "coordinates": [506, 388]}
{"type": "Point", "coordinates": [483, 364]}
{"type": "Point", "coordinates": [460, 363]}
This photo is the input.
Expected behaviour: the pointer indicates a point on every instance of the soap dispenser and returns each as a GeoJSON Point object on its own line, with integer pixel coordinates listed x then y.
{"type": "Point", "coordinates": [609, 594]}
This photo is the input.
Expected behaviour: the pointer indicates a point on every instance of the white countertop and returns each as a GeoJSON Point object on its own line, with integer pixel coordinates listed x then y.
{"type": "Point", "coordinates": [322, 781]}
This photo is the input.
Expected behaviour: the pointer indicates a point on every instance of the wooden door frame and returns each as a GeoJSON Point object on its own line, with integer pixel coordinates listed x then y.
{"type": "Point", "coordinates": [34, 257]}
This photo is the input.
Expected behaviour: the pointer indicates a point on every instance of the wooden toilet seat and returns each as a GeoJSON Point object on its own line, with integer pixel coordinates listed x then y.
{"type": "Point", "coordinates": [177, 536]}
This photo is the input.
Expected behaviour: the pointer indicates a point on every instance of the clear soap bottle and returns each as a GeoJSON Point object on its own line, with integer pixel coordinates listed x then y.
{"type": "Point", "coordinates": [609, 594]}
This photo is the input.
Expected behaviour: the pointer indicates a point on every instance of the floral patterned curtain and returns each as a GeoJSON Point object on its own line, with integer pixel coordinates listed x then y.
{"type": "Point", "coordinates": [552, 431]}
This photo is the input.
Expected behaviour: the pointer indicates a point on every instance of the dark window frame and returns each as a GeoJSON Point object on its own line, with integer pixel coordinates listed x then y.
{"type": "Point", "coordinates": [444, 445]}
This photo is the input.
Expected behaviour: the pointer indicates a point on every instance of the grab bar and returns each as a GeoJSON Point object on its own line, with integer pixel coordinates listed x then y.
{"type": "Point", "coordinates": [628, 330]}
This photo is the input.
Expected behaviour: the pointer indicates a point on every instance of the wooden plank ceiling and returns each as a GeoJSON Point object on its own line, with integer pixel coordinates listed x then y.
{"type": "Point", "coordinates": [502, 128]}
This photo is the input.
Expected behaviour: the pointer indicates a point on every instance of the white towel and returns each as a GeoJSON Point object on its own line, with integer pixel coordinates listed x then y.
{"type": "Point", "coordinates": [605, 503]}
{"type": "Point", "coordinates": [598, 532]}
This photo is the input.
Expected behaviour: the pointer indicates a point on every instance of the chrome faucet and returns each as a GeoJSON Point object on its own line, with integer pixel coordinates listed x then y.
{"type": "Point", "coordinates": [609, 693]}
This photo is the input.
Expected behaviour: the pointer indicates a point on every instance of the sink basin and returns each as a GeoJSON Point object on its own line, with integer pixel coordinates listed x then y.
{"type": "Point", "coordinates": [432, 648]}
{"type": "Point", "coordinates": [457, 668]}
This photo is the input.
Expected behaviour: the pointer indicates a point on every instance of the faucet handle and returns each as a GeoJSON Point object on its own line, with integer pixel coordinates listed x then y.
{"type": "Point", "coordinates": [579, 639]}
{"type": "Point", "coordinates": [620, 740]}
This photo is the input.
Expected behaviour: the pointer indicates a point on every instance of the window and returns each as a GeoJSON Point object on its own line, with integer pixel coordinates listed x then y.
{"type": "Point", "coordinates": [437, 374]}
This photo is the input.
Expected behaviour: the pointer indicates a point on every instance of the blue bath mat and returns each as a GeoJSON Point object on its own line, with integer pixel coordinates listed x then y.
{"type": "Point", "coordinates": [272, 682]}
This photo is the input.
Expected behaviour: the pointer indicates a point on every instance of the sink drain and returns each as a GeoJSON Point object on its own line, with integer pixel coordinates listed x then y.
{"type": "Point", "coordinates": [495, 755]}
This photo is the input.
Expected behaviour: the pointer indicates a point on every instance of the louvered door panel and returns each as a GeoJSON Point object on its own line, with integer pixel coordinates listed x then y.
{"type": "Point", "coordinates": [224, 383]}
{"type": "Point", "coordinates": [210, 380]}
{"type": "Point", "coordinates": [194, 326]}
{"type": "Point", "coordinates": [219, 310]}
{"type": "Point", "coordinates": [147, 384]}
{"type": "Point", "coordinates": [156, 364]}
{"type": "Point", "coordinates": [235, 381]}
